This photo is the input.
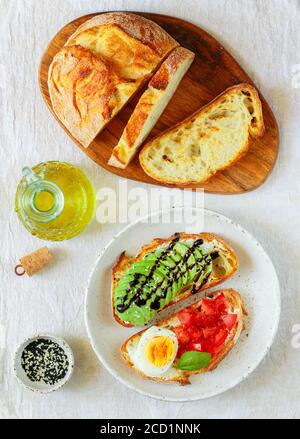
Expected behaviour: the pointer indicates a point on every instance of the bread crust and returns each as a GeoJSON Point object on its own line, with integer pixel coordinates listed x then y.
{"type": "Point", "coordinates": [81, 86]}
{"type": "Point", "coordinates": [235, 300]}
{"type": "Point", "coordinates": [257, 130]}
{"type": "Point", "coordinates": [122, 154]}
{"type": "Point", "coordinates": [124, 262]}
{"type": "Point", "coordinates": [140, 28]}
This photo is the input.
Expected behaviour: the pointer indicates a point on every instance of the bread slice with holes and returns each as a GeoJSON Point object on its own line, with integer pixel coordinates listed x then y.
{"type": "Point", "coordinates": [216, 340]}
{"type": "Point", "coordinates": [212, 139]}
{"type": "Point", "coordinates": [151, 105]}
{"type": "Point", "coordinates": [212, 260]}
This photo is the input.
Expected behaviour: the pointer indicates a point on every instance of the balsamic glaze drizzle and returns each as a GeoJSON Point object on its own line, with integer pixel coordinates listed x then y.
{"type": "Point", "coordinates": [174, 272]}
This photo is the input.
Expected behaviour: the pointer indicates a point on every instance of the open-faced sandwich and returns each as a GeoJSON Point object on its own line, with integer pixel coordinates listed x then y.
{"type": "Point", "coordinates": [190, 342]}
{"type": "Point", "coordinates": [167, 271]}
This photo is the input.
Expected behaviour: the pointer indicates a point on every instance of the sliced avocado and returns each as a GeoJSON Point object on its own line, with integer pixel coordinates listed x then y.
{"type": "Point", "coordinates": [127, 280]}
{"type": "Point", "coordinates": [183, 267]}
{"type": "Point", "coordinates": [177, 254]}
{"type": "Point", "coordinates": [154, 296]}
{"type": "Point", "coordinates": [154, 286]}
{"type": "Point", "coordinates": [169, 295]}
{"type": "Point", "coordinates": [161, 289]}
{"type": "Point", "coordinates": [142, 267]}
{"type": "Point", "coordinates": [198, 259]}
{"type": "Point", "coordinates": [159, 275]}
{"type": "Point", "coordinates": [168, 261]}
{"type": "Point", "coordinates": [163, 270]}
{"type": "Point", "coordinates": [190, 272]}
{"type": "Point", "coordinates": [152, 256]}
{"type": "Point", "coordinates": [121, 295]}
{"type": "Point", "coordinates": [198, 254]}
{"type": "Point", "coordinates": [138, 315]}
{"type": "Point", "coordinates": [145, 295]}
{"type": "Point", "coordinates": [177, 284]}
{"type": "Point", "coordinates": [204, 272]}
{"type": "Point", "coordinates": [179, 251]}
{"type": "Point", "coordinates": [120, 290]}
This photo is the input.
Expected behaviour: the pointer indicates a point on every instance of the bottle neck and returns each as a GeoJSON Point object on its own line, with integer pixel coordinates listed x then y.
{"type": "Point", "coordinates": [42, 201]}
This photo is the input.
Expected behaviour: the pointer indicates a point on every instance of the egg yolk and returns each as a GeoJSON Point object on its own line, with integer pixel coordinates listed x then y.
{"type": "Point", "coordinates": [159, 350]}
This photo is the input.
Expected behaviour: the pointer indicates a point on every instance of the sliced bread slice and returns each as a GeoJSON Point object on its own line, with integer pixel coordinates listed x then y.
{"type": "Point", "coordinates": [151, 105]}
{"type": "Point", "coordinates": [212, 139]}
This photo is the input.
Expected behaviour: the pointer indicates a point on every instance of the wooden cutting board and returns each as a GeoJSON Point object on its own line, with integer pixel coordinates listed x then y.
{"type": "Point", "coordinates": [213, 70]}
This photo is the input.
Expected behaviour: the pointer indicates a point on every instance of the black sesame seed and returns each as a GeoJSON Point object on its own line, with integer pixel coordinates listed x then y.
{"type": "Point", "coordinates": [44, 361]}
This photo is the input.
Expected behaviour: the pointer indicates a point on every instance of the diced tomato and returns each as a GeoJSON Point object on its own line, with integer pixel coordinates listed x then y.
{"type": "Point", "coordinates": [221, 337]}
{"type": "Point", "coordinates": [216, 306]}
{"type": "Point", "coordinates": [205, 329]}
{"type": "Point", "coordinates": [182, 336]}
{"type": "Point", "coordinates": [210, 332]}
{"type": "Point", "coordinates": [205, 321]}
{"type": "Point", "coordinates": [208, 307]}
{"type": "Point", "coordinates": [196, 334]}
{"type": "Point", "coordinates": [220, 303]}
{"type": "Point", "coordinates": [229, 320]}
{"type": "Point", "coordinates": [208, 345]}
{"type": "Point", "coordinates": [186, 316]}
{"type": "Point", "coordinates": [221, 296]}
{"type": "Point", "coordinates": [196, 347]}
{"type": "Point", "coordinates": [219, 299]}
{"type": "Point", "coordinates": [216, 350]}
{"type": "Point", "coordinates": [200, 320]}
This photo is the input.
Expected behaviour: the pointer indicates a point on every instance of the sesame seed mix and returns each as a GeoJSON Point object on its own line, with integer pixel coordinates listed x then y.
{"type": "Point", "coordinates": [44, 361]}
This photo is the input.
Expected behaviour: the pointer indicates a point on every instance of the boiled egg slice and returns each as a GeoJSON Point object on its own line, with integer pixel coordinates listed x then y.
{"type": "Point", "coordinates": [156, 351]}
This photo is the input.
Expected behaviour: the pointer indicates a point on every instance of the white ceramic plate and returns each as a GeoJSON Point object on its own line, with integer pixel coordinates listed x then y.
{"type": "Point", "coordinates": [256, 280]}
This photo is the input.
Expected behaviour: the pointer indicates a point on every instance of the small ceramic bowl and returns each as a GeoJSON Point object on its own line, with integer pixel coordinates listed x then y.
{"type": "Point", "coordinates": [40, 386]}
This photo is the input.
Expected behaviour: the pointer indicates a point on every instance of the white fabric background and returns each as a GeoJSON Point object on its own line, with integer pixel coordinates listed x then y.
{"type": "Point", "coordinates": [264, 37]}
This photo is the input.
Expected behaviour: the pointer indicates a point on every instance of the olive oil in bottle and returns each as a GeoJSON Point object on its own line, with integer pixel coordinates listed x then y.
{"type": "Point", "coordinates": [55, 200]}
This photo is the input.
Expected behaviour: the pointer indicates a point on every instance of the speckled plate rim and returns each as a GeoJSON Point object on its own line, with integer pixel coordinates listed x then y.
{"type": "Point", "coordinates": [62, 343]}
{"type": "Point", "coordinates": [255, 364]}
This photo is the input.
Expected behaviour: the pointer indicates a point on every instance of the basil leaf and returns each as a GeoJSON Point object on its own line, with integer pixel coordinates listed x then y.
{"type": "Point", "coordinates": [193, 360]}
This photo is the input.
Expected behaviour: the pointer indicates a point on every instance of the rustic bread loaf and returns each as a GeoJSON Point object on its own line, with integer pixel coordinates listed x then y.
{"type": "Point", "coordinates": [101, 66]}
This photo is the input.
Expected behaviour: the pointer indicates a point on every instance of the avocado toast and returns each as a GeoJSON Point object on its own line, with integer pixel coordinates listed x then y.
{"type": "Point", "coordinates": [167, 271]}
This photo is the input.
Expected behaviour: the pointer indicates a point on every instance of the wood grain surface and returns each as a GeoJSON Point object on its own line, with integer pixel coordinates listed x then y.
{"type": "Point", "coordinates": [213, 70]}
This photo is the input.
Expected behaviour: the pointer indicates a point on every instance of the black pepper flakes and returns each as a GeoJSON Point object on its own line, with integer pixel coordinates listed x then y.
{"type": "Point", "coordinates": [44, 361]}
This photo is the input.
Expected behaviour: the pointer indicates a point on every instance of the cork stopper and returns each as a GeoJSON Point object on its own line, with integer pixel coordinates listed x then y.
{"type": "Point", "coordinates": [34, 262]}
